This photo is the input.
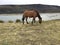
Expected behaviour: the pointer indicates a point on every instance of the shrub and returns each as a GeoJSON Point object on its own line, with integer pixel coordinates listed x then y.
{"type": "Point", "coordinates": [10, 21]}
{"type": "Point", "coordinates": [18, 21]}
{"type": "Point", "coordinates": [1, 21]}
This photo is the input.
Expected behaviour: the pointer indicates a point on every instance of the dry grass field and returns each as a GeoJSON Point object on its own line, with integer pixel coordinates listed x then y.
{"type": "Point", "coordinates": [47, 33]}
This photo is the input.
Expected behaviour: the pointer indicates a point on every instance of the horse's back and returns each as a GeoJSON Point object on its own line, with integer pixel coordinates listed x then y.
{"type": "Point", "coordinates": [30, 13]}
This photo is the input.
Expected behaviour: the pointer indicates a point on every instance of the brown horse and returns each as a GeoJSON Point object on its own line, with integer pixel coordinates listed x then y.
{"type": "Point", "coordinates": [31, 14]}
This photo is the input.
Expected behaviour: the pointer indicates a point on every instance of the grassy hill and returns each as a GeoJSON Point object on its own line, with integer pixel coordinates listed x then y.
{"type": "Point", "coordinates": [47, 33]}
{"type": "Point", "coordinates": [21, 8]}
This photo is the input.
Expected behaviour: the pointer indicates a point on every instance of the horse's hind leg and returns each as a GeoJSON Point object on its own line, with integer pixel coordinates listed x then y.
{"type": "Point", "coordinates": [26, 20]}
{"type": "Point", "coordinates": [23, 19]}
{"type": "Point", "coordinates": [40, 19]}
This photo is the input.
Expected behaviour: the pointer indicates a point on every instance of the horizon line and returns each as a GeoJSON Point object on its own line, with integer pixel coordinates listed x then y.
{"type": "Point", "coordinates": [28, 4]}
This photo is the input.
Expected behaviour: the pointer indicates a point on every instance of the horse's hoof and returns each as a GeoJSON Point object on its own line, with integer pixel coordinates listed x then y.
{"type": "Point", "coordinates": [39, 22]}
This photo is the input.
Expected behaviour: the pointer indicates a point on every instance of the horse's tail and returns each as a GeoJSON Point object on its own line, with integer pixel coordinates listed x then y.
{"type": "Point", "coordinates": [40, 18]}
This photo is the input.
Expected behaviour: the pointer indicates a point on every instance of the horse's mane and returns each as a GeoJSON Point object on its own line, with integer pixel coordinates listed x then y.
{"type": "Point", "coordinates": [36, 11]}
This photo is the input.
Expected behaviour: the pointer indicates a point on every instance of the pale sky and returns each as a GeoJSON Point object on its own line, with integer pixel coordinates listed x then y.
{"type": "Point", "coordinates": [19, 2]}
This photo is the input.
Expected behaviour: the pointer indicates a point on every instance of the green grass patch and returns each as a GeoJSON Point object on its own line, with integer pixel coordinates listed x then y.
{"type": "Point", "coordinates": [10, 21]}
{"type": "Point", "coordinates": [47, 33]}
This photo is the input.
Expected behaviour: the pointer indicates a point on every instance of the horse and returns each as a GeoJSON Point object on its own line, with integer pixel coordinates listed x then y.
{"type": "Point", "coordinates": [31, 14]}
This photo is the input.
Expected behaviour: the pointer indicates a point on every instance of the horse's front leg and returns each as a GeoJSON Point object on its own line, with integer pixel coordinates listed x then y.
{"type": "Point", "coordinates": [26, 20]}
{"type": "Point", "coordinates": [33, 21]}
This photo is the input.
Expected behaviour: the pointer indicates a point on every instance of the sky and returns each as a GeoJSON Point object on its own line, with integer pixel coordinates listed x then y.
{"type": "Point", "coordinates": [24, 2]}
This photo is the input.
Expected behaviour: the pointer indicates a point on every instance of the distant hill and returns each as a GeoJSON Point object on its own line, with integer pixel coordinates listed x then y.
{"type": "Point", "coordinates": [20, 8]}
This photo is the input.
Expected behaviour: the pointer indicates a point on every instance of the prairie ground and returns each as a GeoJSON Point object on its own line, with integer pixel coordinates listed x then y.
{"type": "Point", "coordinates": [47, 33]}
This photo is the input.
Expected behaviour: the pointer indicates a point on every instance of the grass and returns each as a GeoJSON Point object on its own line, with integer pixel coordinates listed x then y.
{"type": "Point", "coordinates": [18, 20]}
{"type": "Point", "coordinates": [1, 21]}
{"type": "Point", "coordinates": [47, 33]}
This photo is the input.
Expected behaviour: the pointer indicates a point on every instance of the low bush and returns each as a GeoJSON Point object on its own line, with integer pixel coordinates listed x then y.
{"type": "Point", "coordinates": [18, 21]}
